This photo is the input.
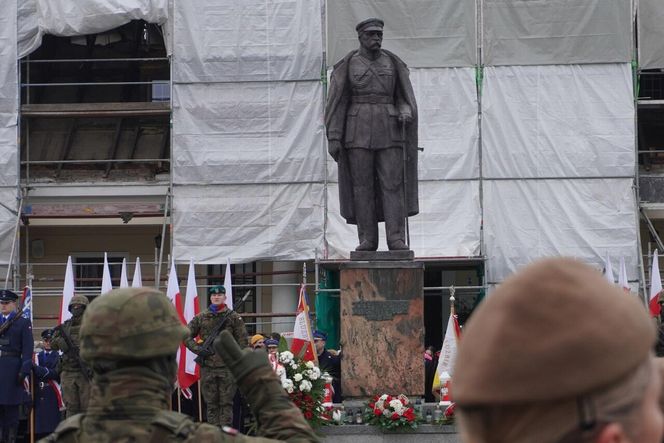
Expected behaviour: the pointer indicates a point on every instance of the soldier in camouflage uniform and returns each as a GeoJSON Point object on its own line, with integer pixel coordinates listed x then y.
{"type": "Point", "coordinates": [217, 385]}
{"type": "Point", "coordinates": [75, 378]}
{"type": "Point", "coordinates": [130, 337]}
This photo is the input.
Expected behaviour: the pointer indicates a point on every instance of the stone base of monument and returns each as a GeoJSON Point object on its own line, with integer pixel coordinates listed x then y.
{"type": "Point", "coordinates": [371, 434]}
{"type": "Point", "coordinates": [382, 328]}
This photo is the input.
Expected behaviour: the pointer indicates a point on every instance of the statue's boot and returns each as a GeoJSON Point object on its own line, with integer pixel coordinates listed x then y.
{"type": "Point", "coordinates": [365, 215]}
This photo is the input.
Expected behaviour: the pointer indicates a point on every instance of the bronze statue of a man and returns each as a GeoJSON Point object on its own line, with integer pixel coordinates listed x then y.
{"type": "Point", "coordinates": [371, 121]}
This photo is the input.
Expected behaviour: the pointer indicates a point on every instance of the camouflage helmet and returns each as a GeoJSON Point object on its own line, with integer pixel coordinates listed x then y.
{"type": "Point", "coordinates": [79, 300]}
{"type": "Point", "coordinates": [130, 324]}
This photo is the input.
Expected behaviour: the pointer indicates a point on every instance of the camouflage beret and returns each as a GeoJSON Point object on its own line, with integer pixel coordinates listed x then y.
{"type": "Point", "coordinates": [555, 330]}
{"type": "Point", "coordinates": [219, 289]}
{"type": "Point", "coordinates": [130, 323]}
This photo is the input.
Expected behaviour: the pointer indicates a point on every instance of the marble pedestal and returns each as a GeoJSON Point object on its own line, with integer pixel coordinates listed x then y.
{"type": "Point", "coordinates": [382, 328]}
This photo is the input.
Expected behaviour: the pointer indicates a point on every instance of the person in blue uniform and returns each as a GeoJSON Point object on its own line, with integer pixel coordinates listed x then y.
{"type": "Point", "coordinates": [47, 393]}
{"type": "Point", "coordinates": [327, 362]}
{"type": "Point", "coordinates": [16, 346]}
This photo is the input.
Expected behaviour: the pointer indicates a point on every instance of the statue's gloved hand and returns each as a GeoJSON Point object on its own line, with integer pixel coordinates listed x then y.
{"type": "Point", "coordinates": [405, 118]}
{"type": "Point", "coordinates": [334, 148]}
{"type": "Point", "coordinates": [240, 362]}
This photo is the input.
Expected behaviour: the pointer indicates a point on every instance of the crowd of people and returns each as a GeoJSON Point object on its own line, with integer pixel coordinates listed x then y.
{"type": "Point", "coordinates": [67, 382]}
{"type": "Point", "coordinates": [555, 355]}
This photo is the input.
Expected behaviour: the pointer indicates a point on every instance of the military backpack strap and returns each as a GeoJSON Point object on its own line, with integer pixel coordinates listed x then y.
{"type": "Point", "coordinates": [169, 424]}
{"type": "Point", "coordinates": [67, 431]}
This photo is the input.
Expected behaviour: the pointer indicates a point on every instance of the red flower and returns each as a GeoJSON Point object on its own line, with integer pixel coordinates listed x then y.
{"type": "Point", "coordinates": [388, 399]}
{"type": "Point", "coordinates": [409, 414]}
{"type": "Point", "coordinates": [377, 412]}
{"type": "Point", "coordinates": [372, 404]}
{"type": "Point", "coordinates": [308, 415]}
{"type": "Point", "coordinates": [376, 397]}
{"type": "Point", "coordinates": [449, 412]}
{"type": "Point", "coordinates": [395, 416]}
{"type": "Point", "coordinates": [403, 401]}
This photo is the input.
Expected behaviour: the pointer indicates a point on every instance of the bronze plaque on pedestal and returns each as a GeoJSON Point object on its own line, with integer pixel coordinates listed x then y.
{"type": "Point", "coordinates": [382, 328]}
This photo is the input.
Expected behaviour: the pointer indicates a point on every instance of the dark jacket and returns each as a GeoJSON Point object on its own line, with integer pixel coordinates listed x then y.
{"type": "Point", "coordinates": [47, 413]}
{"type": "Point", "coordinates": [17, 342]}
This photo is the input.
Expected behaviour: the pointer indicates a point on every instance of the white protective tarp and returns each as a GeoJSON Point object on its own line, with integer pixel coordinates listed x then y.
{"type": "Point", "coordinates": [558, 121]}
{"type": "Point", "coordinates": [448, 127]}
{"type": "Point", "coordinates": [68, 18]}
{"type": "Point", "coordinates": [247, 222]}
{"type": "Point", "coordinates": [247, 40]}
{"type": "Point", "coordinates": [587, 219]}
{"type": "Point", "coordinates": [8, 96]}
{"type": "Point", "coordinates": [7, 224]}
{"type": "Point", "coordinates": [448, 224]}
{"type": "Point", "coordinates": [254, 132]}
{"type": "Point", "coordinates": [651, 34]}
{"type": "Point", "coordinates": [543, 32]}
{"type": "Point", "coordinates": [424, 33]}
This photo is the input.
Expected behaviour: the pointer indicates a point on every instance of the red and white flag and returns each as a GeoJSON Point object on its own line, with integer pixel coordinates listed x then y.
{"type": "Point", "coordinates": [622, 276]}
{"type": "Point", "coordinates": [303, 339]}
{"type": "Point", "coordinates": [67, 292]}
{"type": "Point", "coordinates": [173, 294]}
{"type": "Point", "coordinates": [228, 284]}
{"type": "Point", "coordinates": [137, 281]}
{"type": "Point", "coordinates": [106, 285]}
{"type": "Point", "coordinates": [124, 283]}
{"type": "Point", "coordinates": [190, 372]}
{"type": "Point", "coordinates": [447, 358]}
{"type": "Point", "coordinates": [655, 286]}
{"type": "Point", "coordinates": [608, 270]}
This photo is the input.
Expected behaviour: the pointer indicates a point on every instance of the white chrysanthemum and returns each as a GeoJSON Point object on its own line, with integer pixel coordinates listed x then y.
{"type": "Point", "coordinates": [293, 365]}
{"type": "Point", "coordinates": [297, 377]}
{"type": "Point", "coordinates": [336, 415]}
{"type": "Point", "coordinates": [305, 386]}
{"type": "Point", "coordinates": [387, 412]}
{"type": "Point", "coordinates": [380, 404]}
{"type": "Point", "coordinates": [286, 384]}
{"type": "Point", "coordinates": [314, 374]}
{"type": "Point", "coordinates": [286, 357]}
{"type": "Point", "coordinates": [395, 404]}
{"type": "Point", "coordinates": [290, 390]}
{"type": "Point", "coordinates": [310, 364]}
{"type": "Point", "coordinates": [383, 397]}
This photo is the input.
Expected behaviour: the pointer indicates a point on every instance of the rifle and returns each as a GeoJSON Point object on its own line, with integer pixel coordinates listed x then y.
{"type": "Point", "coordinates": [11, 321]}
{"type": "Point", "coordinates": [206, 348]}
{"type": "Point", "coordinates": [74, 351]}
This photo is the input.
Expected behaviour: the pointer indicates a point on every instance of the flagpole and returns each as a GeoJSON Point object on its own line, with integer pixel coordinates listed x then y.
{"type": "Point", "coordinates": [179, 400]}
{"type": "Point", "coordinates": [200, 402]}
{"type": "Point", "coordinates": [32, 409]}
{"type": "Point", "coordinates": [452, 299]}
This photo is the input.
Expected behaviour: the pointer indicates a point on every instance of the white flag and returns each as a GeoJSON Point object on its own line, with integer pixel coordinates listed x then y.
{"type": "Point", "coordinates": [608, 270]}
{"type": "Point", "coordinates": [137, 281]}
{"type": "Point", "coordinates": [228, 285]}
{"type": "Point", "coordinates": [106, 284]}
{"type": "Point", "coordinates": [655, 286]}
{"type": "Point", "coordinates": [67, 292]}
{"type": "Point", "coordinates": [123, 275]}
{"type": "Point", "coordinates": [622, 276]}
{"type": "Point", "coordinates": [190, 311]}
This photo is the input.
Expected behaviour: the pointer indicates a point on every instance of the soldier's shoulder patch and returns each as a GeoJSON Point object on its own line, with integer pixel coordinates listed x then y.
{"type": "Point", "coordinates": [230, 431]}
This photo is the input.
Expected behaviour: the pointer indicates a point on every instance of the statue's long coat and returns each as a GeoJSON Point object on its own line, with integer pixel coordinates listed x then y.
{"type": "Point", "coordinates": [336, 107]}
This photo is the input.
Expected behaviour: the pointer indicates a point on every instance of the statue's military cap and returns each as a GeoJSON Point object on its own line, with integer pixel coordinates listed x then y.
{"type": "Point", "coordinates": [552, 331]}
{"type": "Point", "coordinates": [370, 24]}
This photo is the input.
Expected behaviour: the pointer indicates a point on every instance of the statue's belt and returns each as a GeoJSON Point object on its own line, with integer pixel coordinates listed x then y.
{"type": "Point", "coordinates": [373, 99]}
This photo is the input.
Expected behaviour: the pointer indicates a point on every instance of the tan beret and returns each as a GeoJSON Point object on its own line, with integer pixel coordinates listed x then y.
{"type": "Point", "coordinates": [554, 330]}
